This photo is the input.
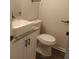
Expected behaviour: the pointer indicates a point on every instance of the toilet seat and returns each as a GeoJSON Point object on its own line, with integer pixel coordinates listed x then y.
{"type": "Point", "coordinates": [46, 39]}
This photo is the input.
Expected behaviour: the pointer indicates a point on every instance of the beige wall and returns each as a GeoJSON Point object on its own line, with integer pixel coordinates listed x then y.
{"type": "Point", "coordinates": [29, 9]}
{"type": "Point", "coordinates": [16, 7]}
{"type": "Point", "coordinates": [52, 12]}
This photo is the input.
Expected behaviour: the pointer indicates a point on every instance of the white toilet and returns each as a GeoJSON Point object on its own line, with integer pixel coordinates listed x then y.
{"type": "Point", "coordinates": [44, 41]}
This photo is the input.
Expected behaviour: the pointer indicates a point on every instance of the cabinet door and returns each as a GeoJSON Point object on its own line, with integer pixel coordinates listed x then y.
{"type": "Point", "coordinates": [18, 49]}
{"type": "Point", "coordinates": [31, 49]}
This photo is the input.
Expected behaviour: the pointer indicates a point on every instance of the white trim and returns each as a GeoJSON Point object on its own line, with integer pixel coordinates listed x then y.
{"type": "Point", "coordinates": [60, 49]}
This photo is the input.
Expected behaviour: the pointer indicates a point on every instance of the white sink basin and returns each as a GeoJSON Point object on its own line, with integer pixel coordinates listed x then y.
{"type": "Point", "coordinates": [21, 26]}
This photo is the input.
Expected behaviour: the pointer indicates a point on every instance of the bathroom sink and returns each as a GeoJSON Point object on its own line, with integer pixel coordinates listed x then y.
{"type": "Point", "coordinates": [21, 26]}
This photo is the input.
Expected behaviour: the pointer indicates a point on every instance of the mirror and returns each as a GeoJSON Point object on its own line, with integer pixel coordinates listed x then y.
{"type": "Point", "coordinates": [16, 7]}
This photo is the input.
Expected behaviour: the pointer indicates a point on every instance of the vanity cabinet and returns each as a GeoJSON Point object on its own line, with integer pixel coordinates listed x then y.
{"type": "Point", "coordinates": [25, 48]}
{"type": "Point", "coordinates": [17, 49]}
{"type": "Point", "coordinates": [31, 49]}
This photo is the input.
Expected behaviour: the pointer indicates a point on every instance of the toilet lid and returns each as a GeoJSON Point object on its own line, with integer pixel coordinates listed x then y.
{"type": "Point", "coordinates": [46, 37]}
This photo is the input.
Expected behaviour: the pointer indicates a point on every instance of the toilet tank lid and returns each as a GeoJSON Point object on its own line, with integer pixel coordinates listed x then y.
{"type": "Point", "coordinates": [46, 37]}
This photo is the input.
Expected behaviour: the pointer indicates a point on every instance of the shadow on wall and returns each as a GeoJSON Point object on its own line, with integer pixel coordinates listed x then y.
{"type": "Point", "coordinates": [42, 30]}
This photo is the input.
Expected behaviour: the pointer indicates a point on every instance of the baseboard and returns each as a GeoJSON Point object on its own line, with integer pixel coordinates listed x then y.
{"type": "Point", "coordinates": [60, 49]}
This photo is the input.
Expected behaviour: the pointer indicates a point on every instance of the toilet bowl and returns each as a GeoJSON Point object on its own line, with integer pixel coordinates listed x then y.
{"type": "Point", "coordinates": [45, 43]}
{"type": "Point", "coordinates": [46, 39]}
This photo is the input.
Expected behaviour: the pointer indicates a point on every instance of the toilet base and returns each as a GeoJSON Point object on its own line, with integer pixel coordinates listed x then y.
{"type": "Point", "coordinates": [44, 50]}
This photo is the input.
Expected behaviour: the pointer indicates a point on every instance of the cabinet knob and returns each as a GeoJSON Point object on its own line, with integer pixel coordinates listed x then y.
{"type": "Point", "coordinates": [11, 38]}
{"type": "Point", "coordinates": [26, 43]}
